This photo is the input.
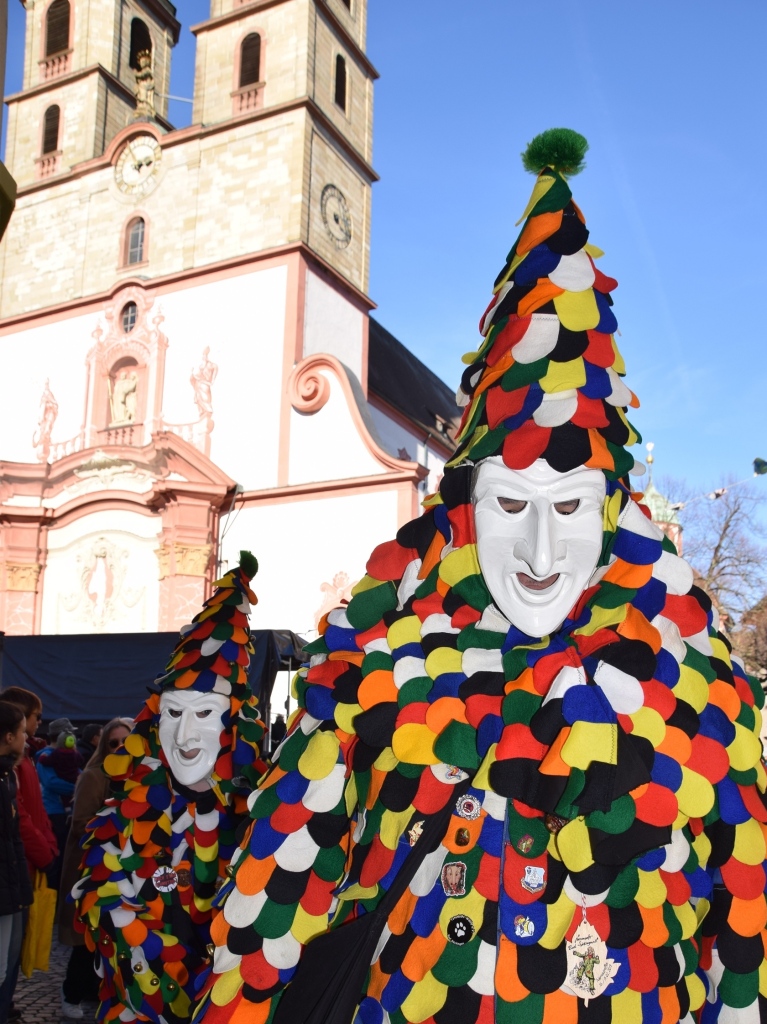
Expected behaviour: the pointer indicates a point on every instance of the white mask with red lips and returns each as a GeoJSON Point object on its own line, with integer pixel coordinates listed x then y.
{"type": "Point", "coordinates": [539, 537]}
{"type": "Point", "coordinates": [190, 733]}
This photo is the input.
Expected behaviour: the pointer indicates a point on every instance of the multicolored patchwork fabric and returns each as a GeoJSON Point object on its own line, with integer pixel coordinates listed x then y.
{"type": "Point", "coordinates": [546, 382]}
{"type": "Point", "coordinates": [616, 771]}
{"type": "Point", "coordinates": [156, 854]}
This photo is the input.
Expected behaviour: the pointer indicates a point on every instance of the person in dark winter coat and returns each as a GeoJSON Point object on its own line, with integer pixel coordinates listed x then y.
{"type": "Point", "coordinates": [89, 740]}
{"type": "Point", "coordinates": [35, 827]}
{"type": "Point", "coordinates": [15, 887]}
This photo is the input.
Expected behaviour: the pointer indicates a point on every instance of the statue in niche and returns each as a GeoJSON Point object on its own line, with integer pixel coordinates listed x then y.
{"type": "Point", "coordinates": [202, 380]}
{"type": "Point", "coordinates": [123, 398]}
{"type": "Point", "coordinates": [49, 410]}
{"type": "Point", "coordinates": [144, 85]}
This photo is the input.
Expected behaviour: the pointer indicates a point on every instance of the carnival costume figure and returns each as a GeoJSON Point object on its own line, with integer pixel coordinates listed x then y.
{"type": "Point", "coordinates": [156, 854]}
{"type": "Point", "coordinates": [533, 656]}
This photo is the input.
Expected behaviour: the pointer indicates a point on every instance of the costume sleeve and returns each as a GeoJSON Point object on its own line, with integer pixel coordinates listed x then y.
{"type": "Point", "coordinates": [293, 856]}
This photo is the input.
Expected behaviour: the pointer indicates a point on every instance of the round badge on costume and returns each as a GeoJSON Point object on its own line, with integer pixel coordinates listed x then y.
{"type": "Point", "coordinates": [460, 930]}
{"type": "Point", "coordinates": [468, 807]}
{"type": "Point", "coordinates": [462, 837]}
{"type": "Point", "coordinates": [184, 876]}
{"type": "Point", "coordinates": [165, 879]}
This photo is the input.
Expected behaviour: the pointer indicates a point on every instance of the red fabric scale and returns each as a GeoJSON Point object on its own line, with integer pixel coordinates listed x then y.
{"type": "Point", "coordinates": [289, 818]}
{"type": "Point", "coordinates": [600, 351]}
{"type": "Point", "coordinates": [413, 713]}
{"type": "Point", "coordinates": [389, 561]}
{"type": "Point", "coordinates": [754, 805]}
{"type": "Point", "coordinates": [518, 741]}
{"type": "Point", "coordinates": [657, 805]}
{"type": "Point", "coordinates": [677, 886]}
{"type": "Point", "coordinates": [686, 613]}
{"type": "Point", "coordinates": [745, 881]}
{"type": "Point", "coordinates": [318, 896]}
{"type": "Point", "coordinates": [377, 863]}
{"type": "Point", "coordinates": [709, 758]}
{"type": "Point", "coordinates": [465, 616]}
{"type": "Point", "coordinates": [590, 412]}
{"type": "Point", "coordinates": [526, 444]}
{"type": "Point", "coordinates": [514, 871]}
{"type": "Point", "coordinates": [257, 972]}
{"type": "Point", "coordinates": [479, 705]}
{"type": "Point", "coordinates": [430, 795]}
{"type": "Point", "coordinates": [503, 404]}
{"type": "Point", "coordinates": [660, 698]}
{"type": "Point", "coordinates": [488, 877]}
{"type": "Point", "coordinates": [513, 332]}
{"type": "Point", "coordinates": [644, 970]}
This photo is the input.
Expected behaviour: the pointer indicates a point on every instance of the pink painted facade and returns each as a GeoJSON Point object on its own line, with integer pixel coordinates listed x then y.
{"type": "Point", "coordinates": [227, 391]}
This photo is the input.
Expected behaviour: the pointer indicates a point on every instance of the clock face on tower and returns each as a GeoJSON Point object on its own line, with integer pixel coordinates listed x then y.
{"type": "Point", "coordinates": [138, 165]}
{"type": "Point", "coordinates": [335, 214]}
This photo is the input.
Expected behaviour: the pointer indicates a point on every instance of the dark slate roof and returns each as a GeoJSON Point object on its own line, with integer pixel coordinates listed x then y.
{"type": "Point", "coordinates": [402, 380]}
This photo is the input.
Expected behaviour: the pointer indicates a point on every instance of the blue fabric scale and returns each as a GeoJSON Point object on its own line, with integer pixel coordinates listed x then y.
{"type": "Point", "coordinates": [716, 725]}
{"type": "Point", "coordinates": [292, 787]}
{"type": "Point", "coordinates": [264, 841]}
{"type": "Point", "coordinates": [635, 549]}
{"type": "Point", "coordinates": [319, 702]}
{"type": "Point", "coordinates": [608, 323]}
{"type": "Point", "coordinates": [667, 771]}
{"type": "Point", "coordinates": [489, 732]}
{"type": "Point", "coordinates": [651, 1010]}
{"type": "Point", "coordinates": [623, 976]}
{"type": "Point", "coordinates": [587, 704]}
{"type": "Point", "coordinates": [533, 400]}
{"type": "Point", "coordinates": [650, 598]}
{"type": "Point", "coordinates": [538, 263]}
{"type": "Point", "coordinates": [427, 911]}
{"type": "Point", "coordinates": [666, 668]}
{"type": "Point", "coordinates": [510, 909]}
{"type": "Point", "coordinates": [732, 810]}
{"type": "Point", "coordinates": [340, 639]}
{"type": "Point", "coordinates": [597, 382]}
{"type": "Point", "coordinates": [396, 991]}
{"type": "Point", "coordinates": [446, 685]}
{"type": "Point", "coordinates": [413, 650]}
{"type": "Point", "coordinates": [370, 1011]}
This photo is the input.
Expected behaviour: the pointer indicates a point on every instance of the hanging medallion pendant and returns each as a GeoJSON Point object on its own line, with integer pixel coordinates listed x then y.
{"type": "Point", "coordinates": [589, 969]}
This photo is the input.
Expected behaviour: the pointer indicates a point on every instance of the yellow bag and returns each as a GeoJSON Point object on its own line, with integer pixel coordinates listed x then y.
{"type": "Point", "coordinates": [36, 948]}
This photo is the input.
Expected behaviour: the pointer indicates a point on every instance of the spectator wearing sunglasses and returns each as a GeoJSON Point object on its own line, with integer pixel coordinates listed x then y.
{"type": "Point", "coordinates": [81, 982]}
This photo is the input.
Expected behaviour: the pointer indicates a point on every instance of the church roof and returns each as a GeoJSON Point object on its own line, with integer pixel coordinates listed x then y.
{"type": "Point", "coordinates": [407, 384]}
{"type": "Point", "coordinates": [659, 506]}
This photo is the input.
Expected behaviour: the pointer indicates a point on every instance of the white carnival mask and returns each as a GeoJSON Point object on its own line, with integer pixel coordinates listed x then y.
{"type": "Point", "coordinates": [190, 732]}
{"type": "Point", "coordinates": [539, 537]}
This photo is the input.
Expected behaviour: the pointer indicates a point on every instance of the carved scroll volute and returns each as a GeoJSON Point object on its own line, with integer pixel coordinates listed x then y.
{"type": "Point", "coordinates": [308, 387]}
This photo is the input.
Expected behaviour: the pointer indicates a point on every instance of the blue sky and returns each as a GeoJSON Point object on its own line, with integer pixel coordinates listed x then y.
{"type": "Point", "coordinates": [670, 97]}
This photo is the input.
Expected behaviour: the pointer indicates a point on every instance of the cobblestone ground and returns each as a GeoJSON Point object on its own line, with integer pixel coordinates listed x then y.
{"type": "Point", "coordinates": [39, 997]}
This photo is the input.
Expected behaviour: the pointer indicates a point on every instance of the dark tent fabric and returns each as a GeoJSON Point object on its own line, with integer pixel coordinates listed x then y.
{"type": "Point", "coordinates": [100, 676]}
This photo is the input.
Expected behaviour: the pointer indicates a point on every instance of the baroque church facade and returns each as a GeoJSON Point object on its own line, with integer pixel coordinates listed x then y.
{"type": "Point", "coordinates": [190, 363]}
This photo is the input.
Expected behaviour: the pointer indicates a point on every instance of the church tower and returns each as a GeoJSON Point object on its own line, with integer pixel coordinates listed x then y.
{"type": "Point", "coordinates": [81, 60]}
{"type": "Point", "coordinates": [184, 319]}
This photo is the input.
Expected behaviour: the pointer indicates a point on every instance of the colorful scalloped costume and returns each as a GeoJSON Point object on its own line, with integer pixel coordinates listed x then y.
{"type": "Point", "coordinates": [616, 764]}
{"type": "Point", "coordinates": [156, 854]}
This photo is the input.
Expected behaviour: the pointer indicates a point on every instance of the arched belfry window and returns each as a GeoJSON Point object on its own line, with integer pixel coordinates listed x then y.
{"type": "Point", "coordinates": [140, 41]}
{"type": "Point", "coordinates": [135, 238]}
{"type": "Point", "coordinates": [339, 90]}
{"type": "Point", "coordinates": [250, 60]}
{"type": "Point", "coordinates": [51, 121]}
{"type": "Point", "coordinates": [57, 27]}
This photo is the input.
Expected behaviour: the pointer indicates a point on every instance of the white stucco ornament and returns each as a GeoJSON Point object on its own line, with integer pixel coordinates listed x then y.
{"type": "Point", "coordinates": [190, 733]}
{"type": "Point", "coordinates": [539, 537]}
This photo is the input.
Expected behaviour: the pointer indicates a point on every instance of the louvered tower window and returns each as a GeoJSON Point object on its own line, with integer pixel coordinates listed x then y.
{"type": "Point", "coordinates": [51, 129]}
{"type": "Point", "coordinates": [57, 28]}
{"type": "Point", "coordinates": [250, 60]}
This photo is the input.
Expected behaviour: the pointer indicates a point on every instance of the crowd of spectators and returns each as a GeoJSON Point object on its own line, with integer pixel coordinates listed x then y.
{"type": "Point", "coordinates": [51, 785]}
